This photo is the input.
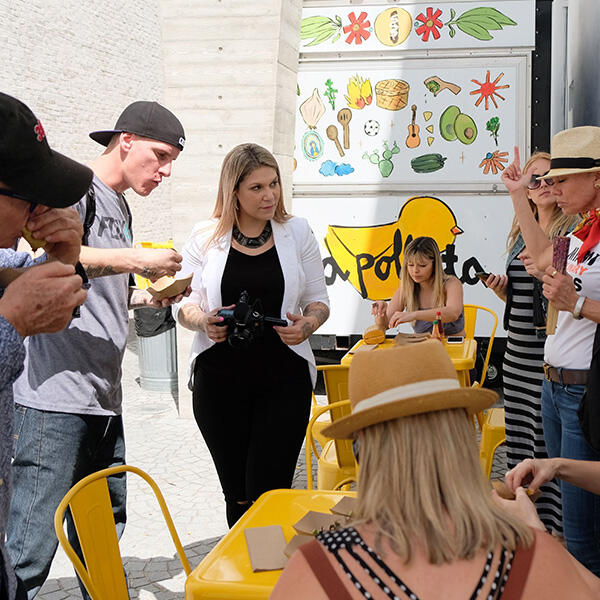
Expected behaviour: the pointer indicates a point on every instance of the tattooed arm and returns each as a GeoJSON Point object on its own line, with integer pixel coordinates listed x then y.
{"type": "Point", "coordinates": [315, 314]}
{"type": "Point", "coordinates": [151, 263]}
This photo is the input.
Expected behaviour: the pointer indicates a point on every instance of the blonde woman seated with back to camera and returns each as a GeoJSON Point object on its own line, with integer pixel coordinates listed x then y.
{"type": "Point", "coordinates": [424, 291]}
{"type": "Point", "coordinates": [425, 525]}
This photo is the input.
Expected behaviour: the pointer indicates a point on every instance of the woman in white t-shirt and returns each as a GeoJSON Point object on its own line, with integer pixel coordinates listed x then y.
{"type": "Point", "coordinates": [574, 178]}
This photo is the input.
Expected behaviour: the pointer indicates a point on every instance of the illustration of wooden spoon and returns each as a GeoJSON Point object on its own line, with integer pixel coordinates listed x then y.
{"type": "Point", "coordinates": [332, 134]}
{"type": "Point", "coordinates": [344, 117]}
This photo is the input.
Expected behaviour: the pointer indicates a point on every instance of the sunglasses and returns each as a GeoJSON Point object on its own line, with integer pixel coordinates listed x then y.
{"type": "Point", "coordinates": [11, 194]}
{"type": "Point", "coordinates": [535, 182]}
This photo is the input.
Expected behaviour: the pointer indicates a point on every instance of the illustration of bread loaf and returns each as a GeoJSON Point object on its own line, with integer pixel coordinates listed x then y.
{"type": "Point", "coordinates": [392, 94]}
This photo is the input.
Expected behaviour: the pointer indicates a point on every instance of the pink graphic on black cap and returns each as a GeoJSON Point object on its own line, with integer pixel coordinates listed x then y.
{"type": "Point", "coordinates": [39, 130]}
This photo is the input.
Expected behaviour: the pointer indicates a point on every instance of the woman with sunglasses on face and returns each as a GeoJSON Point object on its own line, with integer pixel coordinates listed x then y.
{"type": "Point", "coordinates": [575, 173]}
{"type": "Point", "coordinates": [525, 321]}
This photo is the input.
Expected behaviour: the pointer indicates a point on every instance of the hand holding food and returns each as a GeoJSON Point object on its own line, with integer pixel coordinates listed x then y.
{"type": "Point", "coordinates": [58, 231]}
{"type": "Point", "coordinates": [531, 472]}
{"type": "Point", "coordinates": [42, 299]}
{"type": "Point", "coordinates": [154, 263]}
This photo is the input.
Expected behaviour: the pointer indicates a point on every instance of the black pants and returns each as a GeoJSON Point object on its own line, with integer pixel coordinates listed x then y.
{"type": "Point", "coordinates": [253, 423]}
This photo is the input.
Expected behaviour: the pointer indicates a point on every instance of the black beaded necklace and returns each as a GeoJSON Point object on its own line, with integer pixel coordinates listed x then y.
{"type": "Point", "coordinates": [252, 242]}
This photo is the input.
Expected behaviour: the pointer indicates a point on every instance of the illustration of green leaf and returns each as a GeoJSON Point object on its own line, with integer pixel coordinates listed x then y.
{"type": "Point", "coordinates": [488, 11]}
{"type": "Point", "coordinates": [452, 31]}
{"type": "Point", "coordinates": [474, 30]}
{"type": "Point", "coordinates": [485, 22]}
{"type": "Point", "coordinates": [323, 37]}
{"type": "Point", "coordinates": [336, 38]}
{"type": "Point", "coordinates": [452, 14]}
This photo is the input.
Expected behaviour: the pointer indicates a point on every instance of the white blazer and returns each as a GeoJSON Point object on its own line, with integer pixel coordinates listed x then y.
{"type": "Point", "coordinates": [304, 280]}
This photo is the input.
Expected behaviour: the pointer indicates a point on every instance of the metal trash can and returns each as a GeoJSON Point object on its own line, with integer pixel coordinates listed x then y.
{"type": "Point", "coordinates": [157, 348]}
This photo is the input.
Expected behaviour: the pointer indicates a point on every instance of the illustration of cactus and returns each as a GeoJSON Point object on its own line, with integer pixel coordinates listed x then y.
{"type": "Point", "coordinates": [478, 22]}
{"type": "Point", "coordinates": [385, 162]}
{"type": "Point", "coordinates": [330, 93]}
{"type": "Point", "coordinates": [493, 126]}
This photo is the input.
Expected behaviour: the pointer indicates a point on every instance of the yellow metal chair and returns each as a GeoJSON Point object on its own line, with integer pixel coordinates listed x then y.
{"type": "Point", "coordinates": [491, 423]}
{"type": "Point", "coordinates": [90, 506]}
{"type": "Point", "coordinates": [493, 434]}
{"type": "Point", "coordinates": [336, 462]}
{"type": "Point", "coordinates": [335, 378]}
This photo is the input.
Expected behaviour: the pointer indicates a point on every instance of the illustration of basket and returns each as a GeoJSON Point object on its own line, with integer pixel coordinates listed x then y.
{"type": "Point", "coordinates": [392, 94]}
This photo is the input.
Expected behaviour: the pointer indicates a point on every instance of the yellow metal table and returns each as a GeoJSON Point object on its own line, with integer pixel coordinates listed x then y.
{"type": "Point", "coordinates": [463, 356]}
{"type": "Point", "coordinates": [226, 572]}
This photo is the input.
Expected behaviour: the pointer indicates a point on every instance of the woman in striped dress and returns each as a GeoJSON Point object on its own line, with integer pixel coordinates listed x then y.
{"type": "Point", "coordinates": [524, 320]}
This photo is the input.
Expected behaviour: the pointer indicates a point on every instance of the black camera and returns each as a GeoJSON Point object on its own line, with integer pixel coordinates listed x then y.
{"type": "Point", "coordinates": [246, 322]}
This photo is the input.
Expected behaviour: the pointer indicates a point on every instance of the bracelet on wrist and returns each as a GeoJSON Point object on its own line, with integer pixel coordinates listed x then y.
{"type": "Point", "coordinates": [578, 306]}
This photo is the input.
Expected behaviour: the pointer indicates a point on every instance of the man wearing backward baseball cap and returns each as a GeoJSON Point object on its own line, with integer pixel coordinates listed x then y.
{"type": "Point", "coordinates": [37, 185]}
{"type": "Point", "coordinates": [70, 387]}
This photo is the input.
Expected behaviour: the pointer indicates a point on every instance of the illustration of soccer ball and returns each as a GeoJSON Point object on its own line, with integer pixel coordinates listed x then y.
{"type": "Point", "coordinates": [371, 127]}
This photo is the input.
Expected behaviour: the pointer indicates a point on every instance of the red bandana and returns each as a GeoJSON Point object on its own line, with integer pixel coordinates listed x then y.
{"type": "Point", "coordinates": [588, 231]}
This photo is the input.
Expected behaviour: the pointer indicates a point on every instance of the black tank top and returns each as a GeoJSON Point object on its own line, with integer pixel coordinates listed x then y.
{"type": "Point", "coordinates": [261, 276]}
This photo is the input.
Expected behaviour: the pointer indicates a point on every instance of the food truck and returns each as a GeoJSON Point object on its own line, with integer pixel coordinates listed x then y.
{"type": "Point", "coordinates": [407, 114]}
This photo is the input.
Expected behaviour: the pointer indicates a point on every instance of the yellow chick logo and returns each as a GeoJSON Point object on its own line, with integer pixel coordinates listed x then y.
{"type": "Point", "coordinates": [360, 93]}
{"type": "Point", "coordinates": [371, 257]}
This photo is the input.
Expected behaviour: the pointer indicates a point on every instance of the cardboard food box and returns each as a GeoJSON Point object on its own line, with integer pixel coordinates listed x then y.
{"type": "Point", "coordinates": [167, 287]}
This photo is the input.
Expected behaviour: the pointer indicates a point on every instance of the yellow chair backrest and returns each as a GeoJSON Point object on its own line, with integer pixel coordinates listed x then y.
{"type": "Point", "coordinates": [341, 407]}
{"type": "Point", "coordinates": [89, 502]}
{"type": "Point", "coordinates": [471, 311]}
{"type": "Point", "coordinates": [336, 388]}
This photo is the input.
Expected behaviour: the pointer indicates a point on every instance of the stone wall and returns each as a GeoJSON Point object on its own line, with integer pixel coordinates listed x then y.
{"type": "Point", "coordinates": [77, 64]}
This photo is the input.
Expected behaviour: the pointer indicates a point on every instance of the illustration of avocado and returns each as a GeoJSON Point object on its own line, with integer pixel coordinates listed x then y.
{"type": "Point", "coordinates": [455, 125]}
{"type": "Point", "coordinates": [465, 129]}
{"type": "Point", "coordinates": [447, 123]}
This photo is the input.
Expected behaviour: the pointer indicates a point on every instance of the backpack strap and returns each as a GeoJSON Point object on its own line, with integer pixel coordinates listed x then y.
{"type": "Point", "coordinates": [519, 572]}
{"type": "Point", "coordinates": [90, 213]}
{"type": "Point", "coordinates": [318, 561]}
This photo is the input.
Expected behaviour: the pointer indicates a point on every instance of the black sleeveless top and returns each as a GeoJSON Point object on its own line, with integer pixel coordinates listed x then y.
{"type": "Point", "coordinates": [261, 276]}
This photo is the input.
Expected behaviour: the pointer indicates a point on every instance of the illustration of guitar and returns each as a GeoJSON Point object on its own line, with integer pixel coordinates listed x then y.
{"type": "Point", "coordinates": [413, 140]}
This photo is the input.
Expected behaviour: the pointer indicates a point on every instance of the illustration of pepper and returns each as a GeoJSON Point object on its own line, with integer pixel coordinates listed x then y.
{"type": "Point", "coordinates": [428, 163]}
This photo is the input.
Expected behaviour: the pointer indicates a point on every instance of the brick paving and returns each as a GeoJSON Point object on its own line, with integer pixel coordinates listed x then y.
{"type": "Point", "coordinates": [173, 452]}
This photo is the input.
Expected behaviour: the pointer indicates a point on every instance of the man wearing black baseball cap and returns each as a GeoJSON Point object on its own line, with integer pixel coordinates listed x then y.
{"type": "Point", "coordinates": [74, 393]}
{"type": "Point", "coordinates": [36, 185]}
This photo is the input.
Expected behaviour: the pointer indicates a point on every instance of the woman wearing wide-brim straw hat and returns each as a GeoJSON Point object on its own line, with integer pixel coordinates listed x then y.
{"type": "Point", "coordinates": [425, 524]}
{"type": "Point", "coordinates": [574, 177]}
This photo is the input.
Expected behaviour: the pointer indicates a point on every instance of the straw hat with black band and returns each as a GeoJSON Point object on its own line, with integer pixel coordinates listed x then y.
{"type": "Point", "coordinates": [575, 150]}
{"type": "Point", "coordinates": [404, 381]}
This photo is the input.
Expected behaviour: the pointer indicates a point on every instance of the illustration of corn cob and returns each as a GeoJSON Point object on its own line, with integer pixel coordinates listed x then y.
{"type": "Point", "coordinates": [319, 29]}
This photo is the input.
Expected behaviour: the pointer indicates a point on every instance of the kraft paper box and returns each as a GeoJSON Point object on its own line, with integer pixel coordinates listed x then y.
{"type": "Point", "coordinates": [265, 547]}
{"type": "Point", "coordinates": [345, 506]}
{"type": "Point", "coordinates": [317, 521]}
{"type": "Point", "coordinates": [167, 287]}
{"type": "Point", "coordinates": [296, 542]}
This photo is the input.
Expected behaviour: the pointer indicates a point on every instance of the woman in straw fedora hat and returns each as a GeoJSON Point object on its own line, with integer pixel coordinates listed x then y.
{"type": "Point", "coordinates": [425, 523]}
{"type": "Point", "coordinates": [574, 177]}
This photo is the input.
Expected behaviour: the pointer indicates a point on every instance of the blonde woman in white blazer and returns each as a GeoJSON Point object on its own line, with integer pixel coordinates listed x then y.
{"type": "Point", "coordinates": [252, 404]}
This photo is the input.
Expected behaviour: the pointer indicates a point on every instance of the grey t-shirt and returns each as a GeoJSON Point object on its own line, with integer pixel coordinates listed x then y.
{"type": "Point", "coordinates": [78, 370]}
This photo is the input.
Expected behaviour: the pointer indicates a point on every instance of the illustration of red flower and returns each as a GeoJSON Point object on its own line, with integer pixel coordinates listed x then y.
{"type": "Point", "coordinates": [431, 23]}
{"type": "Point", "coordinates": [357, 28]}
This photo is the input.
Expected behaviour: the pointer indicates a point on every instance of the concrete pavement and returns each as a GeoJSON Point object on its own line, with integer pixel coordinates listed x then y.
{"type": "Point", "coordinates": [173, 452]}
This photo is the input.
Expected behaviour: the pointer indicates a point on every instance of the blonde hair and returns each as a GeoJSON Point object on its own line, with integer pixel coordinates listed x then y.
{"type": "Point", "coordinates": [421, 485]}
{"type": "Point", "coordinates": [559, 223]}
{"type": "Point", "coordinates": [237, 165]}
{"type": "Point", "coordinates": [422, 248]}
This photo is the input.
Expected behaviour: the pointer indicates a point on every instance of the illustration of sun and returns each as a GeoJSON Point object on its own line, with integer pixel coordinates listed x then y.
{"type": "Point", "coordinates": [488, 89]}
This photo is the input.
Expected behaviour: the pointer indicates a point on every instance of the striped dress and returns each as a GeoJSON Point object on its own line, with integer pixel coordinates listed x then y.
{"type": "Point", "coordinates": [522, 379]}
